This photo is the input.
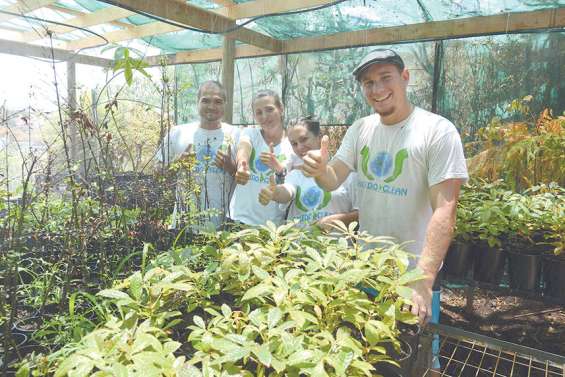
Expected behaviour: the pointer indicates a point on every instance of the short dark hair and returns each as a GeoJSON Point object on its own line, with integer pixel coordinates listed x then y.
{"type": "Point", "coordinates": [268, 93]}
{"type": "Point", "coordinates": [309, 122]}
{"type": "Point", "coordinates": [215, 83]}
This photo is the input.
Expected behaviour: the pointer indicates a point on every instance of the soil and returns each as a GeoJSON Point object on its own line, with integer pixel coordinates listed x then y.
{"type": "Point", "coordinates": [506, 316]}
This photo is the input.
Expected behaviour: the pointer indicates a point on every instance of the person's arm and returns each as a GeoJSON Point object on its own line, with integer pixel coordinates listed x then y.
{"type": "Point", "coordinates": [328, 176]}
{"type": "Point", "coordinates": [270, 159]}
{"type": "Point", "coordinates": [274, 192]}
{"type": "Point", "coordinates": [443, 198]}
{"type": "Point", "coordinates": [347, 218]}
{"type": "Point", "coordinates": [225, 161]}
{"type": "Point", "coordinates": [242, 174]}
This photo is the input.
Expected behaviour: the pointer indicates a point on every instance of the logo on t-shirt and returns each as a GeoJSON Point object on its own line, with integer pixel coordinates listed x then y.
{"type": "Point", "coordinates": [206, 155]}
{"type": "Point", "coordinates": [382, 166]}
{"type": "Point", "coordinates": [313, 198]}
{"type": "Point", "coordinates": [261, 170]}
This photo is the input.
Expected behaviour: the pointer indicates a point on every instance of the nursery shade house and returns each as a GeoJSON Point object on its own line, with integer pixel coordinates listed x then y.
{"type": "Point", "coordinates": [496, 69]}
{"type": "Point", "coordinates": [312, 46]}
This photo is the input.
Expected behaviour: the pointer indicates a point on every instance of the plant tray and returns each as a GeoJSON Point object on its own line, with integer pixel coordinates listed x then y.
{"type": "Point", "coordinates": [465, 354]}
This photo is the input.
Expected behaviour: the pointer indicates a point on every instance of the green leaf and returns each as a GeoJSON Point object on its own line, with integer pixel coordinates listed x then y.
{"type": "Point", "coordinates": [115, 294]}
{"type": "Point", "coordinates": [319, 370]}
{"type": "Point", "coordinates": [232, 356]}
{"type": "Point", "coordinates": [171, 346]}
{"type": "Point", "coordinates": [198, 321]}
{"type": "Point", "coordinates": [144, 340]}
{"type": "Point", "coordinates": [404, 292]}
{"type": "Point", "coordinates": [135, 284]}
{"type": "Point", "coordinates": [260, 273]}
{"type": "Point", "coordinates": [74, 362]}
{"type": "Point", "coordinates": [226, 311]}
{"type": "Point", "coordinates": [363, 366]}
{"type": "Point", "coordinates": [23, 371]}
{"type": "Point", "coordinates": [263, 354]}
{"type": "Point", "coordinates": [119, 370]}
{"type": "Point", "coordinates": [341, 362]}
{"type": "Point", "coordinates": [274, 316]}
{"type": "Point", "coordinates": [256, 292]}
{"type": "Point", "coordinates": [300, 357]}
{"type": "Point", "coordinates": [372, 334]}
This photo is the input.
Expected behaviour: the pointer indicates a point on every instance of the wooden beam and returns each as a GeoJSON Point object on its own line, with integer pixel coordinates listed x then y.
{"type": "Point", "coordinates": [72, 102]}
{"type": "Point", "coordinates": [469, 27]}
{"type": "Point", "coordinates": [225, 3]}
{"type": "Point", "coordinates": [451, 29]}
{"type": "Point", "coordinates": [153, 28]}
{"type": "Point", "coordinates": [261, 7]}
{"type": "Point", "coordinates": [12, 34]}
{"type": "Point", "coordinates": [194, 16]}
{"type": "Point", "coordinates": [77, 13]}
{"type": "Point", "coordinates": [244, 10]}
{"type": "Point", "coordinates": [23, 7]}
{"type": "Point", "coordinates": [228, 68]}
{"type": "Point", "coordinates": [85, 20]}
{"type": "Point", "coordinates": [205, 56]}
{"type": "Point", "coordinates": [27, 50]}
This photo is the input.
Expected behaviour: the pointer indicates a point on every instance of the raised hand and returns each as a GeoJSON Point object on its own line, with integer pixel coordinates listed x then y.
{"type": "Point", "coordinates": [242, 174]}
{"type": "Point", "coordinates": [270, 159]}
{"type": "Point", "coordinates": [316, 161]}
{"type": "Point", "coordinates": [224, 160]}
{"type": "Point", "coordinates": [266, 193]}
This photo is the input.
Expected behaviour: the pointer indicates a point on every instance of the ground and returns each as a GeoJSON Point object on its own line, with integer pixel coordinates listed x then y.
{"type": "Point", "coordinates": [503, 315]}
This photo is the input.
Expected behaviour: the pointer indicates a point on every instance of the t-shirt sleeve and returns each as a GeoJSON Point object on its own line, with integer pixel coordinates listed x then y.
{"type": "Point", "coordinates": [167, 146]}
{"type": "Point", "coordinates": [292, 180]}
{"type": "Point", "coordinates": [235, 136]}
{"type": "Point", "coordinates": [348, 149]}
{"type": "Point", "coordinates": [351, 189]}
{"type": "Point", "coordinates": [446, 159]}
{"type": "Point", "coordinates": [248, 134]}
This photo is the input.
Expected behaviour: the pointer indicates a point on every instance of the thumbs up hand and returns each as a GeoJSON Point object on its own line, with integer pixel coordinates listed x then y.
{"type": "Point", "coordinates": [270, 159]}
{"type": "Point", "coordinates": [224, 160]}
{"type": "Point", "coordinates": [316, 161]}
{"type": "Point", "coordinates": [266, 194]}
{"type": "Point", "coordinates": [242, 174]}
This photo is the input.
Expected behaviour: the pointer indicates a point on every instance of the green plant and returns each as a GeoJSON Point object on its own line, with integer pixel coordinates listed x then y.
{"type": "Point", "coordinates": [119, 348]}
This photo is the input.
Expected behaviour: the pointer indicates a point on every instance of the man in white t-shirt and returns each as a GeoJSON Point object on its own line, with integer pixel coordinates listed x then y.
{"type": "Point", "coordinates": [410, 167]}
{"type": "Point", "coordinates": [213, 144]}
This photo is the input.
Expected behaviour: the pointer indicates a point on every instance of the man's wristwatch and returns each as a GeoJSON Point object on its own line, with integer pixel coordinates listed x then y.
{"type": "Point", "coordinates": [279, 176]}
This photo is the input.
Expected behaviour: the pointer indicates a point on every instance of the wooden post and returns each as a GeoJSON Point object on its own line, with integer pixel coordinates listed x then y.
{"type": "Point", "coordinates": [72, 102]}
{"type": "Point", "coordinates": [437, 84]}
{"type": "Point", "coordinates": [228, 65]}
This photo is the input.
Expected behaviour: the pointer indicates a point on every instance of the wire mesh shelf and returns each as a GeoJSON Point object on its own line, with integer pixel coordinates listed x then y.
{"type": "Point", "coordinates": [465, 354]}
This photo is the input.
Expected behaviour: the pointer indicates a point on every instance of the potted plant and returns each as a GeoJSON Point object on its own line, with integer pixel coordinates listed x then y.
{"type": "Point", "coordinates": [460, 257]}
{"type": "Point", "coordinates": [524, 256]}
{"type": "Point", "coordinates": [490, 224]}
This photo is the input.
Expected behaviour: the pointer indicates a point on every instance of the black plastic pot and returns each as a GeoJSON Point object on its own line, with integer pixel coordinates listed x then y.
{"type": "Point", "coordinates": [459, 260]}
{"type": "Point", "coordinates": [28, 325]}
{"type": "Point", "coordinates": [524, 270]}
{"type": "Point", "coordinates": [404, 358]}
{"type": "Point", "coordinates": [489, 264]}
{"type": "Point", "coordinates": [554, 277]}
{"type": "Point", "coordinates": [13, 357]}
{"type": "Point", "coordinates": [5, 356]}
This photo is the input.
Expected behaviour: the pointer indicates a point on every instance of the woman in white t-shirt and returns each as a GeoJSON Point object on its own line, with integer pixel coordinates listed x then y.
{"type": "Point", "coordinates": [310, 204]}
{"type": "Point", "coordinates": [262, 153]}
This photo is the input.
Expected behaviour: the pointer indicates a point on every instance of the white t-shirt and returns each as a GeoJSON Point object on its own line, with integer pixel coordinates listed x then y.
{"type": "Point", "coordinates": [396, 166]}
{"type": "Point", "coordinates": [310, 203]}
{"type": "Point", "coordinates": [245, 206]}
{"type": "Point", "coordinates": [215, 184]}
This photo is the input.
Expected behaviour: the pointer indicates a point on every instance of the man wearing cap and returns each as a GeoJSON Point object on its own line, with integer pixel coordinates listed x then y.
{"type": "Point", "coordinates": [410, 167]}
